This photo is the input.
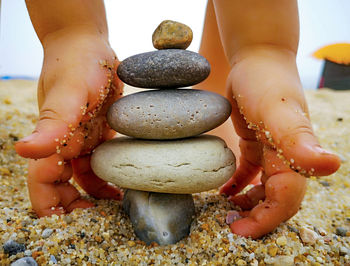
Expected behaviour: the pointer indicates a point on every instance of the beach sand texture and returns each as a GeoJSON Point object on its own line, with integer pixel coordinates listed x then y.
{"type": "Point", "coordinates": [318, 235]}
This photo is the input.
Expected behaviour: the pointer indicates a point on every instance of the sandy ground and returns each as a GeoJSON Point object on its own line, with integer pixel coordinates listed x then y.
{"type": "Point", "coordinates": [317, 235]}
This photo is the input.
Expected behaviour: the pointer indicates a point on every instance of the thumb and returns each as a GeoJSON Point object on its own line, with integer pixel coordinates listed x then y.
{"type": "Point", "coordinates": [59, 115]}
{"type": "Point", "coordinates": [291, 131]}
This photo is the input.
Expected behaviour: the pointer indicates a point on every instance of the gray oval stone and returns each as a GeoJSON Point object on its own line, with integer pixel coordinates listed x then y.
{"type": "Point", "coordinates": [168, 114]}
{"type": "Point", "coordinates": [170, 68]}
{"type": "Point", "coordinates": [159, 217]}
{"type": "Point", "coordinates": [182, 166]}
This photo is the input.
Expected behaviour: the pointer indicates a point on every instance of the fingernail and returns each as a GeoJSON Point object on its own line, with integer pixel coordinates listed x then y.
{"type": "Point", "coordinates": [29, 138]}
{"type": "Point", "coordinates": [323, 151]}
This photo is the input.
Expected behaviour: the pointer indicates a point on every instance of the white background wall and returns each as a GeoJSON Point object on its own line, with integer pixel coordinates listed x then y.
{"type": "Point", "coordinates": [132, 22]}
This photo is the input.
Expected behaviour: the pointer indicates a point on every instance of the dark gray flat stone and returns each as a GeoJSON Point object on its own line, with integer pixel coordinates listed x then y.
{"type": "Point", "coordinates": [159, 217]}
{"type": "Point", "coordinates": [168, 114]}
{"type": "Point", "coordinates": [170, 68]}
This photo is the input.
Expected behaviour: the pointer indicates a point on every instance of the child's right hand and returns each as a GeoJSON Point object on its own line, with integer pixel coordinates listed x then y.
{"type": "Point", "coordinates": [76, 86]}
{"type": "Point", "coordinates": [252, 47]}
{"type": "Point", "coordinates": [276, 138]}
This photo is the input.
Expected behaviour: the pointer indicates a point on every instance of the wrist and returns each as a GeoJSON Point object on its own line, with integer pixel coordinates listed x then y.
{"type": "Point", "coordinates": [73, 33]}
{"type": "Point", "coordinates": [276, 53]}
{"type": "Point", "coordinates": [259, 71]}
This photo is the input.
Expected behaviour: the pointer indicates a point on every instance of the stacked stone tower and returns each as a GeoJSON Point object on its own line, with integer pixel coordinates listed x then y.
{"type": "Point", "coordinates": [165, 158]}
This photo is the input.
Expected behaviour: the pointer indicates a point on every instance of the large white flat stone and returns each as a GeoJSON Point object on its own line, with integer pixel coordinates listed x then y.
{"type": "Point", "coordinates": [169, 166]}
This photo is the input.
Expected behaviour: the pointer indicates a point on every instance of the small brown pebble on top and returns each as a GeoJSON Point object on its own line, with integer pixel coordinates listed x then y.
{"type": "Point", "coordinates": [172, 35]}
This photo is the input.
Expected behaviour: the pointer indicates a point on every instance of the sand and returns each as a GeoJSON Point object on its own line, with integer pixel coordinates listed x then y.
{"type": "Point", "coordinates": [317, 235]}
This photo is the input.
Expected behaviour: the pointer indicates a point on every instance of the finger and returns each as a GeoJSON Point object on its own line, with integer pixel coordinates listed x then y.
{"type": "Point", "coordinates": [67, 173]}
{"type": "Point", "coordinates": [92, 184]}
{"type": "Point", "coordinates": [244, 174]}
{"type": "Point", "coordinates": [249, 200]}
{"type": "Point", "coordinates": [292, 133]}
{"type": "Point", "coordinates": [244, 213]}
{"type": "Point", "coordinates": [248, 169]}
{"type": "Point", "coordinates": [60, 112]}
{"type": "Point", "coordinates": [250, 160]}
{"type": "Point", "coordinates": [70, 197]}
{"type": "Point", "coordinates": [284, 191]}
{"type": "Point", "coordinates": [108, 133]}
{"type": "Point", "coordinates": [45, 199]}
{"type": "Point", "coordinates": [47, 170]}
{"type": "Point", "coordinates": [42, 192]}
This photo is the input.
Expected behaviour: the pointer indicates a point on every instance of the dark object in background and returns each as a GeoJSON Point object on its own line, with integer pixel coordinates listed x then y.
{"type": "Point", "coordinates": [336, 68]}
{"type": "Point", "coordinates": [335, 76]}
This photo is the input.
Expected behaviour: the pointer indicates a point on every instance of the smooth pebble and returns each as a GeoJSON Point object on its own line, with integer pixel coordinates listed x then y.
{"type": "Point", "coordinates": [232, 216]}
{"type": "Point", "coordinates": [281, 241]}
{"type": "Point", "coordinates": [12, 247]}
{"type": "Point", "coordinates": [341, 231]}
{"type": "Point", "coordinates": [283, 260]}
{"type": "Point", "coordinates": [168, 114]}
{"type": "Point", "coordinates": [53, 259]}
{"type": "Point", "coordinates": [170, 166]}
{"type": "Point", "coordinates": [343, 251]}
{"type": "Point", "coordinates": [171, 68]}
{"type": "Point", "coordinates": [46, 232]}
{"type": "Point", "coordinates": [308, 236]}
{"type": "Point", "coordinates": [26, 261]}
{"type": "Point", "coordinates": [68, 219]}
{"type": "Point", "coordinates": [172, 35]}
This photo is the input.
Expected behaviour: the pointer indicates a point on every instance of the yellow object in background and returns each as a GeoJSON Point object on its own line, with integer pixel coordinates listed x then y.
{"type": "Point", "coordinates": [337, 53]}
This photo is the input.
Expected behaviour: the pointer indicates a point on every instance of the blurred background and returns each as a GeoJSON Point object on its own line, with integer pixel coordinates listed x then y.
{"type": "Point", "coordinates": [131, 24]}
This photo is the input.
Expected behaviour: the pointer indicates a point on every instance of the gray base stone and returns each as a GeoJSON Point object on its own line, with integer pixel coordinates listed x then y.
{"type": "Point", "coordinates": [159, 217]}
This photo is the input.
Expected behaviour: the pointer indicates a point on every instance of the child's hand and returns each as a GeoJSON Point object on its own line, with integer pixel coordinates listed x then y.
{"type": "Point", "coordinates": [255, 43]}
{"type": "Point", "coordinates": [276, 137]}
{"type": "Point", "coordinates": [76, 86]}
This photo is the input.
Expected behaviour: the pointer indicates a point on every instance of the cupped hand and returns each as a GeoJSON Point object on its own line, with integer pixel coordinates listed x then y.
{"type": "Point", "coordinates": [77, 85]}
{"type": "Point", "coordinates": [271, 117]}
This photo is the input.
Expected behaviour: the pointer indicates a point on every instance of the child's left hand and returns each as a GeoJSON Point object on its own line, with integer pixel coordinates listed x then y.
{"type": "Point", "coordinates": [77, 84]}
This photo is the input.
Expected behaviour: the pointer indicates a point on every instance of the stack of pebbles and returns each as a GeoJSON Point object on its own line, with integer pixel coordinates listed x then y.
{"type": "Point", "coordinates": [165, 159]}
